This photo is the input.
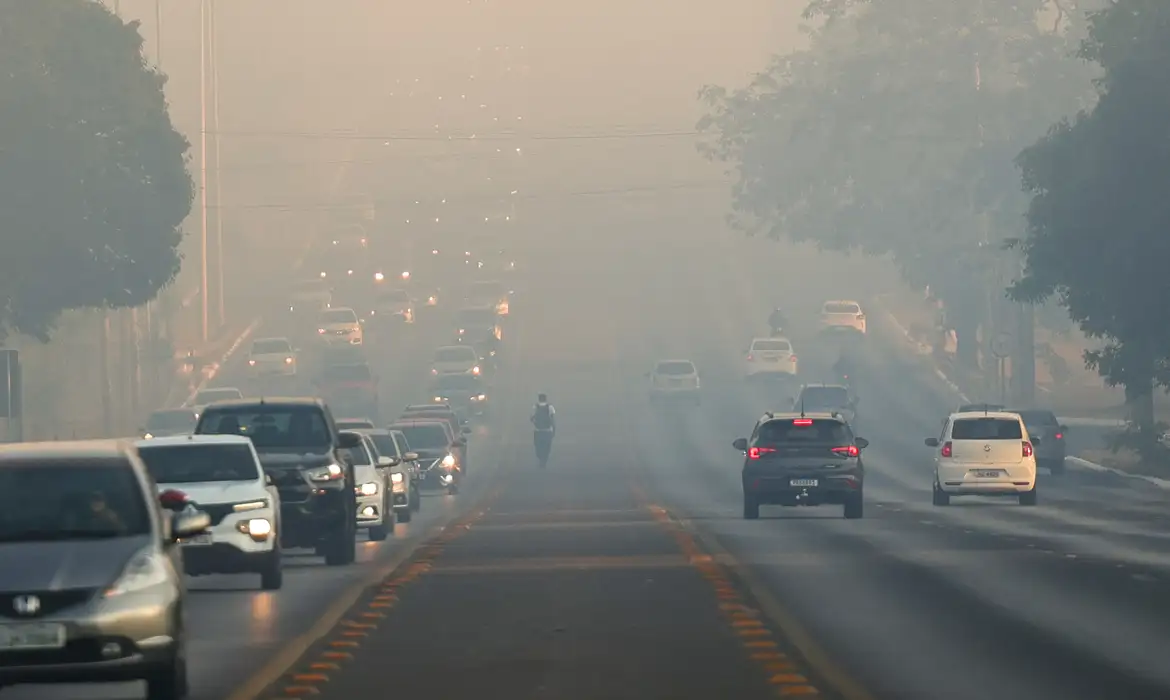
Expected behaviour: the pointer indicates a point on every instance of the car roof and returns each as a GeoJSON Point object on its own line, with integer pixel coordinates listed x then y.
{"type": "Point", "coordinates": [354, 419]}
{"type": "Point", "coordinates": [662, 362]}
{"type": "Point", "coordinates": [194, 440]}
{"type": "Point", "coordinates": [373, 431]}
{"type": "Point", "coordinates": [275, 337]}
{"type": "Point", "coordinates": [67, 449]}
{"type": "Point", "coordinates": [269, 402]}
{"type": "Point", "coordinates": [822, 385]}
{"type": "Point", "coordinates": [209, 389]}
{"type": "Point", "coordinates": [789, 415]}
{"type": "Point", "coordinates": [1007, 415]}
{"type": "Point", "coordinates": [840, 301]}
{"type": "Point", "coordinates": [181, 409]}
{"type": "Point", "coordinates": [413, 423]}
{"type": "Point", "coordinates": [779, 337]}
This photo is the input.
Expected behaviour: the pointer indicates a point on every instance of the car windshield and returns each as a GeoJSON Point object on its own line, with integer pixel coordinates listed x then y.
{"type": "Point", "coordinates": [804, 431]}
{"type": "Point", "coordinates": [271, 346]}
{"type": "Point", "coordinates": [339, 316]}
{"type": "Point", "coordinates": [824, 398]}
{"type": "Point", "coordinates": [212, 395]}
{"type": "Point", "coordinates": [457, 382]}
{"type": "Point", "coordinates": [194, 463]}
{"type": "Point", "coordinates": [477, 317]}
{"type": "Point", "coordinates": [425, 437]}
{"type": "Point", "coordinates": [359, 456]}
{"type": "Point", "coordinates": [771, 346]}
{"type": "Point", "coordinates": [675, 368]}
{"type": "Point", "coordinates": [986, 429]}
{"type": "Point", "coordinates": [394, 295]}
{"type": "Point", "coordinates": [455, 355]}
{"type": "Point", "coordinates": [346, 373]}
{"type": "Point", "coordinates": [271, 427]}
{"type": "Point", "coordinates": [56, 500]}
{"type": "Point", "coordinates": [842, 308]}
{"type": "Point", "coordinates": [384, 444]}
{"type": "Point", "coordinates": [180, 419]}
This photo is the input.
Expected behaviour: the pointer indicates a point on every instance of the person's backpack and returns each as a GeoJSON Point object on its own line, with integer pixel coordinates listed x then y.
{"type": "Point", "coordinates": [542, 419]}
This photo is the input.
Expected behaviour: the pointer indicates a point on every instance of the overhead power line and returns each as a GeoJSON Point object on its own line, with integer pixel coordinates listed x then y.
{"type": "Point", "coordinates": [496, 136]}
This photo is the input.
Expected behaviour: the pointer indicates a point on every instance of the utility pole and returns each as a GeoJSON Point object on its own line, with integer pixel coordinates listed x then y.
{"type": "Point", "coordinates": [214, 60]}
{"type": "Point", "coordinates": [203, 295]}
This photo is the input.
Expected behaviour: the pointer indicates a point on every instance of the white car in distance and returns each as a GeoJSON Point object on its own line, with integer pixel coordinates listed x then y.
{"type": "Point", "coordinates": [311, 296]}
{"type": "Point", "coordinates": [986, 453]}
{"type": "Point", "coordinates": [674, 379]}
{"type": "Point", "coordinates": [455, 359]}
{"type": "Point", "coordinates": [842, 316]}
{"type": "Point", "coordinates": [394, 304]}
{"type": "Point", "coordinates": [375, 504]}
{"type": "Point", "coordinates": [771, 357]}
{"type": "Point", "coordinates": [339, 327]}
{"type": "Point", "coordinates": [272, 357]}
{"type": "Point", "coordinates": [222, 476]}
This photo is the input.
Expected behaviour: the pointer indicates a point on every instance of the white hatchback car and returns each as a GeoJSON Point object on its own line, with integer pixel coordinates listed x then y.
{"type": "Point", "coordinates": [272, 357]}
{"type": "Point", "coordinates": [222, 476]}
{"type": "Point", "coordinates": [455, 359]}
{"type": "Point", "coordinates": [375, 502]}
{"type": "Point", "coordinates": [674, 379]}
{"type": "Point", "coordinates": [771, 356]}
{"type": "Point", "coordinates": [984, 454]}
{"type": "Point", "coordinates": [842, 316]}
{"type": "Point", "coordinates": [339, 327]}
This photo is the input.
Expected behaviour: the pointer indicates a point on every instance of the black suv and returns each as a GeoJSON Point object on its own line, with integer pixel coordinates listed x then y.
{"type": "Point", "coordinates": [302, 451]}
{"type": "Point", "coordinates": [796, 459]}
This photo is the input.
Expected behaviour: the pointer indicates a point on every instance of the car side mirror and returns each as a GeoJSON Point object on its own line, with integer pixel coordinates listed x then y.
{"type": "Point", "coordinates": [349, 441]}
{"type": "Point", "coordinates": [740, 444]}
{"type": "Point", "coordinates": [861, 443]}
{"type": "Point", "coordinates": [931, 442]}
{"type": "Point", "coordinates": [410, 457]}
{"type": "Point", "coordinates": [268, 479]}
{"type": "Point", "coordinates": [188, 524]}
{"type": "Point", "coordinates": [1035, 440]}
{"type": "Point", "coordinates": [1063, 428]}
{"type": "Point", "coordinates": [388, 462]}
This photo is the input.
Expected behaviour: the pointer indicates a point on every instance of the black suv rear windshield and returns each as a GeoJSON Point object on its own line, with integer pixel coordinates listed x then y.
{"type": "Point", "coordinates": [270, 427]}
{"type": "Point", "coordinates": [61, 500]}
{"type": "Point", "coordinates": [804, 431]}
{"type": "Point", "coordinates": [195, 463]}
{"type": "Point", "coordinates": [986, 429]}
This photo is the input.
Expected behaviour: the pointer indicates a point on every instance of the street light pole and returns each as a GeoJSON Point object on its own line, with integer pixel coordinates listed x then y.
{"type": "Point", "coordinates": [214, 59]}
{"type": "Point", "coordinates": [203, 161]}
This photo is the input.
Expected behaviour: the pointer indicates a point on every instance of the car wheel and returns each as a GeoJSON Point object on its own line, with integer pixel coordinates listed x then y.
{"type": "Point", "coordinates": [404, 515]}
{"type": "Point", "coordinates": [751, 508]}
{"type": "Point", "coordinates": [1056, 467]}
{"type": "Point", "coordinates": [453, 489]}
{"type": "Point", "coordinates": [272, 573]}
{"type": "Point", "coordinates": [341, 550]}
{"type": "Point", "coordinates": [1028, 498]}
{"type": "Point", "coordinates": [940, 497]}
{"type": "Point", "coordinates": [170, 681]}
{"type": "Point", "coordinates": [854, 507]}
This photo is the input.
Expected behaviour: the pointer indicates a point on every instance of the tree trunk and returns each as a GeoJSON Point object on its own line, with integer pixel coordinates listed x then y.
{"type": "Point", "coordinates": [1139, 402]}
{"type": "Point", "coordinates": [965, 318]}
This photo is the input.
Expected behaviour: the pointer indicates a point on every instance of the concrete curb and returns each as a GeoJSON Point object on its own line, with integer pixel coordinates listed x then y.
{"type": "Point", "coordinates": [1086, 465]}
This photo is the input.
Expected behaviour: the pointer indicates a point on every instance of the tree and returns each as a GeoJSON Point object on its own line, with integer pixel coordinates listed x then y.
{"type": "Point", "coordinates": [93, 176]}
{"type": "Point", "coordinates": [894, 133]}
{"type": "Point", "coordinates": [1098, 220]}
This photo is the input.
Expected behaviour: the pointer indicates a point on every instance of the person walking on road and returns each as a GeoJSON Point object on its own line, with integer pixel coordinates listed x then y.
{"type": "Point", "coordinates": [544, 423]}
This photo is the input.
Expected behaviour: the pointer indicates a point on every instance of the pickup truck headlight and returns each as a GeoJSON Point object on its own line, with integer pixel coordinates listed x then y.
{"type": "Point", "coordinates": [448, 461]}
{"type": "Point", "coordinates": [397, 477]}
{"type": "Point", "coordinates": [331, 472]}
{"type": "Point", "coordinates": [369, 488]}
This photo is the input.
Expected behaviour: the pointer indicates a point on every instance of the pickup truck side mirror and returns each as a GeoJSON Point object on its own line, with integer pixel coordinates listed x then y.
{"type": "Point", "coordinates": [740, 444]}
{"type": "Point", "coordinates": [268, 479]}
{"type": "Point", "coordinates": [1064, 428]}
{"type": "Point", "coordinates": [410, 457]}
{"type": "Point", "coordinates": [861, 443]}
{"type": "Point", "coordinates": [388, 462]}
{"type": "Point", "coordinates": [349, 441]}
{"type": "Point", "coordinates": [1035, 440]}
{"type": "Point", "coordinates": [931, 442]}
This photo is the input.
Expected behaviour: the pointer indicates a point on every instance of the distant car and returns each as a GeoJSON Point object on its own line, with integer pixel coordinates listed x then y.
{"type": "Point", "coordinates": [843, 316]}
{"type": "Point", "coordinates": [375, 504]}
{"type": "Point", "coordinates": [350, 388]}
{"type": "Point", "coordinates": [455, 359]}
{"type": "Point", "coordinates": [311, 296]}
{"type": "Point", "coordinates": [771, 357]}
{"type": "Point", "coordinates": [404, 470]}
{"type": "Point", "coordinates": [827, 398]}
{"type": "Point", "coordinates": [436, 447]}
{"type": "Point", "coordinates": [466, 394]}
{"type": "Point", "coordinates": [393, 304]}
{"type": "Point", "coordinates": [272, 357]}
{"type": "Point", "coordinates": [206, 397]}
{"type": "Point", "coordinates": [795, 459]}
{"type": "Point", "coordinates": [674, 379]}
{"type": "Point", "coordinates": [480, 327]}
{"type": "Point", "coordinates": [222, 476]}
{"type": "Point", "coordinates": [170, 421]}
{"type": "Point", "coordinates": [985, 453]}
{"type": "Point", "coordinates": [339, 327]}
{"type": "Point", "coordinates": [1050, 448]}
{"type": "Point", "coordinates": [91, 588]}
{"type": "Point", "coordinates": [490, 294]}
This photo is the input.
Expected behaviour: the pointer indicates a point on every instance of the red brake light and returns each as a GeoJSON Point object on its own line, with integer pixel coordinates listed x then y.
{"type": "Point", "coordinates": [1060, 436]}
{"type": "Point", "coordinates": [749, 357]}
{"type": "Point", "coordinates": [757, 452]}
{"type": "Point", "coordinates": [802, 421]}
{"type": "Point", "coordinates": [792, 358]}
{"type": "Point", "coordinates": [847, 450]}
{"type": "Point", "coordinates": [946, 450]}
{"type": "Point", "coordinates": [1027, 449]}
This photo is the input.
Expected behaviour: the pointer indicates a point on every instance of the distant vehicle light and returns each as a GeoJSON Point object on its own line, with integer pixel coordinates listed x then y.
{"type": "Point", "coordinates": [378, 276]}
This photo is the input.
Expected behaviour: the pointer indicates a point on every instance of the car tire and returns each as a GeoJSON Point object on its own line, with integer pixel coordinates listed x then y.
{"type": "Point", "coordinates": [272, 572]}
{"type": "Point", "coordinates": [404, 515]}
{"type": "Point", "coordinates": [1056, 467]}
{"type": "Point", "coordinates": [170, 681]}
{"type": "Point", "coordinates": [1029, 498]}
{"type": "Point", "coordinates": [854, 507]}
{"type": "Point", "coordinates": [751, 508]}
{"type": "Point", "coordinates": [341, 549]}
{"type": "Point", "coordinates": [453, 489]}
{"type": "Point", "coordinates": [940, 497]}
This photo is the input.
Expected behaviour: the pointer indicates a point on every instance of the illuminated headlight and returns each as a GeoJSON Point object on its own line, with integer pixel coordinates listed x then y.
{"type": "Point", "coordinates": [257, 528]}
{"type": "Point", "coordinates": [475, 370]}
{"type": "Point", "coordinates": [331, 472]}
{"type": "Point", "coordinates": [323, 275]}
{"type": "Point", "coordinates": [368, 489]}
{"type": "Point", "coordinates": [288, 360]}
{"type": "Point", "coordinates": [250, 505]}
{"type": "Point", "coordinates": [406, 275]}
{"type": "Point", "coordinates": [434, 370]}
{"type": "Point", "coordinates": [397, 477]}
{"type": "Point", "coordinates": [321, 331]}
{"type": "Point", "coordinates": [378, 276]}
{"type": "Point", "coordinates": [481, 397]}
{"type": "Point", "coordinates": [448, 461]}
{"type": "Point", "coordinates": [148, 436]}
{"type": "Point", "coordinates": [431, 300]}
{"type": "Point", "coordinates": [438, 399]}
{"type": "Point", "coordinates": [349, 272]}
{"type": "Point", "coordinates": [461, 331]}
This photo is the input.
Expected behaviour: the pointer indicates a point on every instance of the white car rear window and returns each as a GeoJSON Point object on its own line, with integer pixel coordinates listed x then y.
{"type": "Point", "coordinates": [986, 429]}
{"type": "Point", "coordinates": [772, 346]}
{"type": "Point", "coordinates": [680, 368]}
{"type": "Point", "coordinates": [839, 308]}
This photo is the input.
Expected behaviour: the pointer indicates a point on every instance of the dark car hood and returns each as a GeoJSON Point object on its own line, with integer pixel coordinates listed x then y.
{"type": "Point", "coordinates": [50, 566]}
{"type": "Point", "coordinates": [424, 455]}
{"type": "Point", "coordinates": [294, 459]}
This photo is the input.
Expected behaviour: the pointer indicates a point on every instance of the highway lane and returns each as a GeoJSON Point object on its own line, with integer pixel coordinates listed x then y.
{"type": "Point", "coordinates": [234, 628]}
{"type": "Point", "coordinates": [979, 600]}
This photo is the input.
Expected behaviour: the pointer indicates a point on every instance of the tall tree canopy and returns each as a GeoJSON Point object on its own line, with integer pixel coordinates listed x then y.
{"type": "Point", "coordinates": [895, 131]}
{"type": "Point", "coordinates": [93, 176]}
{"type": "Point", "coordinates": [1098, 234]}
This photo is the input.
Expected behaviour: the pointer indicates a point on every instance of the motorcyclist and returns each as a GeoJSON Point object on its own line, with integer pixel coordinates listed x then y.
{"type": "Point", "coordinates": [544, 423]}
{"type": "Point", "coordinates": [776, 320]}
